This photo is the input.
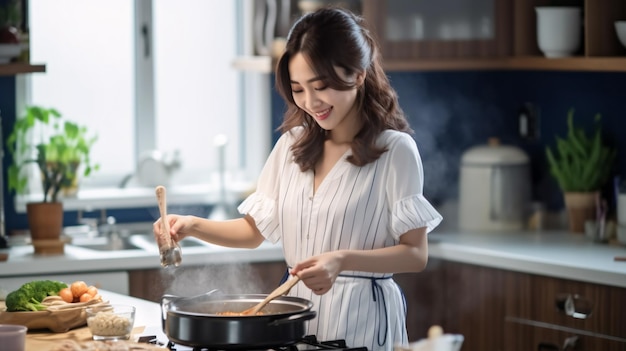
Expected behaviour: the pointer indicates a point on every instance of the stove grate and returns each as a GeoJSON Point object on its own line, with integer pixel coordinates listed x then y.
{"type": "Point", "coordinates": [309, 342]}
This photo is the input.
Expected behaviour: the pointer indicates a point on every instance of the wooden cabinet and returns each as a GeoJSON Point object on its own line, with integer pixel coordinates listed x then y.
{"type": "Point", "coordinates": [490, 34]}
{"type": "Point", "coordinates": [504, 310]}
{"type": "Point", "coordinates": [493, 309]}
{"type": "Point", "coordinates": [544, 312]}
{"type": "Point", "coordinates": [480, 35]}
{"type": "Point", "coordinates": [487, 34]}
{"type": "Point", "coordinates": [450, 29]}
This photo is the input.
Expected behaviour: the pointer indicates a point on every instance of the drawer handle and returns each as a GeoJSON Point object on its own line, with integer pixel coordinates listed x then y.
{"type": "Point", "coordinates": [568, 344]}
{"type": "Point", "coordinates": [574, 305]}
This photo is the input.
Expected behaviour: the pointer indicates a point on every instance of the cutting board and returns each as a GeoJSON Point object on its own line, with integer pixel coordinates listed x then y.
{"type": "Point", "coordinates": [48, 341]}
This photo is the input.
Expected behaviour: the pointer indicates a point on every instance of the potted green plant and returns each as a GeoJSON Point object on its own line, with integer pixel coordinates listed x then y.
{"type": "Point", "coordinates": [61, 151]}
{"type": "Point", "coordinates": [581, 165]}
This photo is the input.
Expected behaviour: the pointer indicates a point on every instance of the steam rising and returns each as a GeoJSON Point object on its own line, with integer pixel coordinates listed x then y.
{"type": "Point", "coordinates": [231, 278]}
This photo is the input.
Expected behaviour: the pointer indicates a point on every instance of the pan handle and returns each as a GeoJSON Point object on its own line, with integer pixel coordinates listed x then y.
{"type": "Point", "coordinates": [305, 316]}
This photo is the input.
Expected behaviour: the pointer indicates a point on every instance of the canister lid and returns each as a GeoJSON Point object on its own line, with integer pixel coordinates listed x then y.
{"type": "Point", "coordinates": [494, 153]}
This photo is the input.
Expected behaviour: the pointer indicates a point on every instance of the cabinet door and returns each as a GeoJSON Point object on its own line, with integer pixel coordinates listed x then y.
{"type": "Point", "coordinates": [441, 29]}
{"type": "Point", "coordinates": [426, 304]}
{"type": "Point", "coordinates": [579, 305]}
{"type": "Point", "coordinates": [544, 337]}
{"type": "Point", "coordinates": [475, 300]}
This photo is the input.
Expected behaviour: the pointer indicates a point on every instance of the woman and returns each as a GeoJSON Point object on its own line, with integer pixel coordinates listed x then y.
{"type": "Point", "coordinates": [342, 188]}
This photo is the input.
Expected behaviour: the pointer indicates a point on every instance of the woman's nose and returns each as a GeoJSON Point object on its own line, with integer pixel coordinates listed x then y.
{"type": "Point", "coordinates": [313, 100]}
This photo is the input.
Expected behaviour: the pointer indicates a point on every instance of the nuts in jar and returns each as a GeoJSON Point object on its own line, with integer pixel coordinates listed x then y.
{"type": "Point", "coordinates": [110, 322]}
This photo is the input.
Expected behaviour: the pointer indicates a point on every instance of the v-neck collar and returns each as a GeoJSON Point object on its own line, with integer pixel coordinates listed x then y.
{"type": "Point", "coordinates": [332, 174]}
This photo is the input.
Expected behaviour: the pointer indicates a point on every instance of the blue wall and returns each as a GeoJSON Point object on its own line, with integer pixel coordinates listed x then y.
{"type": "Point", "coordinates": [450, 112]}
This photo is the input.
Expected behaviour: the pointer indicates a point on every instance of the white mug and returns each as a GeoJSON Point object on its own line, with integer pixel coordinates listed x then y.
{"type": "Point", "coordinates": [13, 337]}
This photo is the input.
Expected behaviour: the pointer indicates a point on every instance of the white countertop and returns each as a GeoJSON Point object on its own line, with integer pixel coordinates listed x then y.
{"type": "Point", "coordinates": [23, 261]}
{"type": "Point", "coordinates": [556, 254]}
{"type": "Point", "coordinates": [549, 253]}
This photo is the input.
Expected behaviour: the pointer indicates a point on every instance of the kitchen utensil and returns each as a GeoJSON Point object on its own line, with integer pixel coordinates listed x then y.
{"type": "Point", "coordinates": [436, 341]}
{"type": "Point", "coordinates": [13, 337]}
{"type": "Point", "coordinates": [620, 29]}
{"type": "Point", "coordinates": [197, 323]}
{"type": "Point", "coordinates": [494, 193]}
{"type": "Point", "coordinates": [170, 251]}
{"type": "Point", "coordinates": [621, 208]}
{"type": "Point", "coordinates": [283, 289]}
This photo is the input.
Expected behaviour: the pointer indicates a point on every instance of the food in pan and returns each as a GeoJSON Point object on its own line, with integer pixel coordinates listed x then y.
{"type": "Point", "coordinates": [231, 313]}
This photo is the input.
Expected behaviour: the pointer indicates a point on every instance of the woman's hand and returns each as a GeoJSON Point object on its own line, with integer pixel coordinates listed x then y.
{"type": "Point", "coordinates": [180, 227]}
{"type": "Point", "coordinates": [319, 272]}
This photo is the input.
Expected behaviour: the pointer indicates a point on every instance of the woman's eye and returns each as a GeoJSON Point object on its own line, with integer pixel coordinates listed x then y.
{"type": "Point", "coordinates": [321, 88]}
{"type": "Point", "coordinates": [294, 91]}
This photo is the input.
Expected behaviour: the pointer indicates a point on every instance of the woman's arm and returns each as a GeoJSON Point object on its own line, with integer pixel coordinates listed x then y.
{"type": "Point", "coordinates": [410, 255]}
{"type": "Point", "coordinates": [236, 233]}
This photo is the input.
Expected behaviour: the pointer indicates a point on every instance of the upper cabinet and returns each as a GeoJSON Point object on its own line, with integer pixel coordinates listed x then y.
{"type": "Point", "coordinates": [476, 34]}
{"type": "Point", "coordinates": [491, 34]}
{"type": "Point", "coordinates": [444, 29]}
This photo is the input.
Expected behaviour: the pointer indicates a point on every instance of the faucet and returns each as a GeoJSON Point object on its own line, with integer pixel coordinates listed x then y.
{"type": "Point", "coordinates": [97, 225]}
{"type": "Point", "coordinates": [108, 228]}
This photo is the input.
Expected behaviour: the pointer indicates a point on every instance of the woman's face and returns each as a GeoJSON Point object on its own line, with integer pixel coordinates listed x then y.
{"type": "Point", "coordinates": [330, 108]}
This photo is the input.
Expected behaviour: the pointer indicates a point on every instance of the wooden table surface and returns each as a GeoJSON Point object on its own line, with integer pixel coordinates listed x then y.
{"type": "Point", "coordinates": [147, 314]}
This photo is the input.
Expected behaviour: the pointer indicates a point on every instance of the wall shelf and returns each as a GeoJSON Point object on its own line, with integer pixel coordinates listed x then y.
{"type": "Point", "coordinates": [263, 64]}
{"type": "Point", "coordinates": [595, 64]}
{"type": "Point", "coordinates": [10, 69]}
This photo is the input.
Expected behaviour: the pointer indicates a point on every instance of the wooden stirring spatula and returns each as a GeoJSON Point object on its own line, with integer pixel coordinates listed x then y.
{"type": "Point", "coordinates": [169, 250]}
{"type": "Point", "coordinates": [280, 291]}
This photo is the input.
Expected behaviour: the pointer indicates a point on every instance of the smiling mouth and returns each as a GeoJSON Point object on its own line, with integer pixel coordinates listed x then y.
{"type": "Point", "coordinates": [322, 115]}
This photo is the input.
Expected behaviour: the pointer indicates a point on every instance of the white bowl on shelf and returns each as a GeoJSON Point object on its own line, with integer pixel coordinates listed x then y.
{"type": "Point", "coordinates": [620, 29]}
{"type": "Point", "coordinates": [9, 51]}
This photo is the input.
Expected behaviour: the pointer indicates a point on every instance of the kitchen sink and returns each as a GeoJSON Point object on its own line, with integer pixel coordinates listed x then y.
{"type": "Point", "coordinates": [133, 241]}
{"type": "Point", "coordinates": [103, 243]}
{"type": "Point", "coordinates": [143, 240]}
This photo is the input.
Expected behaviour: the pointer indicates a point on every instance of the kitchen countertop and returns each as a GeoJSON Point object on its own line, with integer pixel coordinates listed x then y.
{"type": "Point", "coordinates": [558, 254]}
{"type": "Point", "coordinates": [147, 322]}
{"type": "Point", "coordinates": [550, 253]}
{"type": "Point", "coordinates": [23, 261]}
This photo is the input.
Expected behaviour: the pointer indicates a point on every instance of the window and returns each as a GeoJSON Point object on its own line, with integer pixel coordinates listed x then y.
{"type": "Point", "coordinates": [150, 76]}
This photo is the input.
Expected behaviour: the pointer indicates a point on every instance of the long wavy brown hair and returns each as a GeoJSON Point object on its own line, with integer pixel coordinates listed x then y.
{"type": "Point", "coordinates": [328, 38]}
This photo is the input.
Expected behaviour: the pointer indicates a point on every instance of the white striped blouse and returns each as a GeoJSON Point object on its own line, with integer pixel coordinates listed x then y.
{"type": "Point", "coordinates": [354, 208]}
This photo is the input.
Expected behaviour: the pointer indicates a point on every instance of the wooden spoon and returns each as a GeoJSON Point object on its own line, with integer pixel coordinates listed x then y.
{"type": "Point", "coordinates": [169, 249]}
{"type": "Point", "coordinates": [280, 291]}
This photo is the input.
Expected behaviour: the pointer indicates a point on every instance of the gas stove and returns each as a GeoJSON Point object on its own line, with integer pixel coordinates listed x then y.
{"type": "Point", "coordinates": [309, 342]}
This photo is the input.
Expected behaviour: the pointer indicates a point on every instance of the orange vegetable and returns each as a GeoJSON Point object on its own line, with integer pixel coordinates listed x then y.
{"type": "Point", "coordinates": [66, 295]}
{"type": "Point", "coordinates": [92, 290]}
{"type": "Point", "coordinates": [78, 288]}
{"type": "Point", "coordinates": [85, 297]}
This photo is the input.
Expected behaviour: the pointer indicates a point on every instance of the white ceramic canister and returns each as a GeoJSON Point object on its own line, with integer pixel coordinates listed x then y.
{"type": "Point", "coordinates": [494, 192]}
{"type": "Point", "coordinates": [621, 208]}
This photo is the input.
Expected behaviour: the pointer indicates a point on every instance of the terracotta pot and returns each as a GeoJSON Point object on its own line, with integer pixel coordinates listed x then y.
{"type": "Point", "coordinates": [581, 207]}
{"type": "Point", "coordinates": [45, 220]}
